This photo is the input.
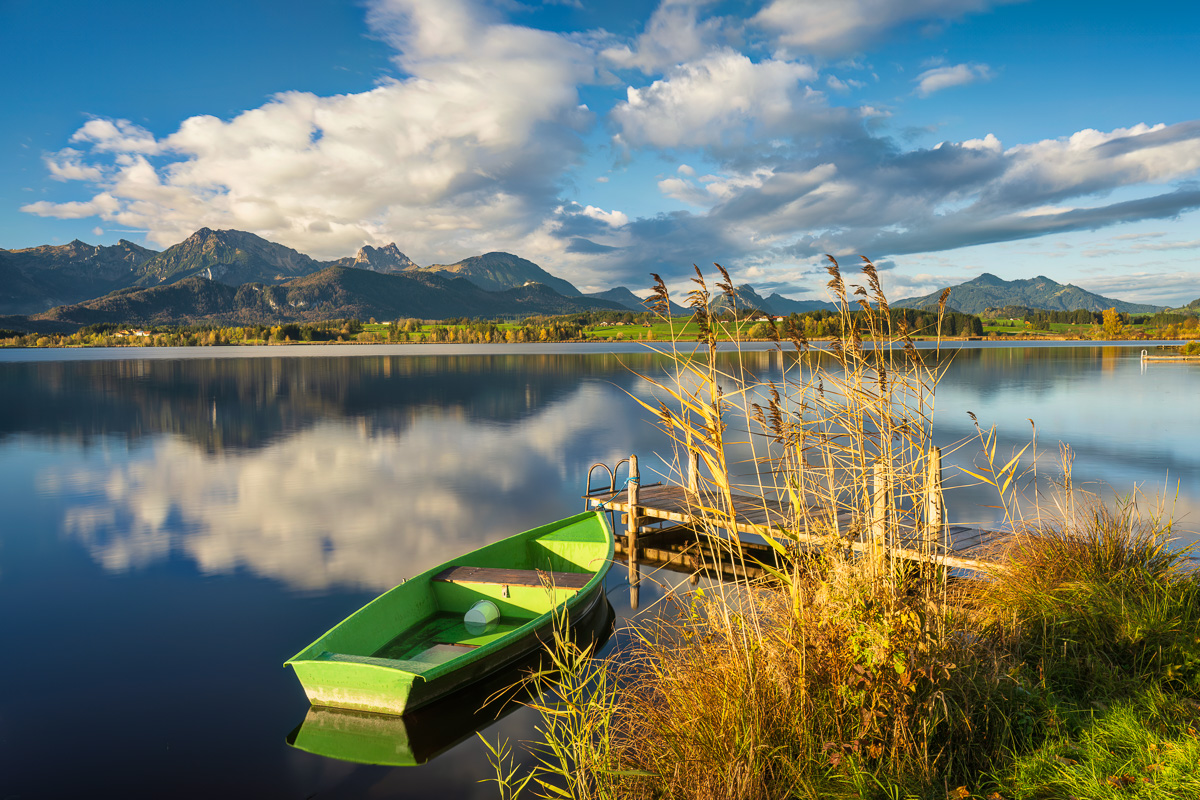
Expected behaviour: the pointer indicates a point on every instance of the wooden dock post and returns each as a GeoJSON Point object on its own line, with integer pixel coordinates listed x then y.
{"type": "Point", "coordinates": [833, 493]}
{"type": "Point", "coordinates": [935, 510]}
{"type": "Point", "coordinates": [879, 503]}
{"type": "Point", "coordinates": [693, 488]}
{"type": "Point", "coordinates": [631, 529]}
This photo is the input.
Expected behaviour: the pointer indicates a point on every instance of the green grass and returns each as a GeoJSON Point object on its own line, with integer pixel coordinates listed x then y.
{"type": "Point", "coordinates": [659, 331]}
{"type": "Point", "coordinates": [1145, 746]}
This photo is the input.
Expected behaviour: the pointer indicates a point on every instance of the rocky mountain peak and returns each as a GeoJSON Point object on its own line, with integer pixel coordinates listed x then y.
{"type": "Point", "coordinates": [382, 259]}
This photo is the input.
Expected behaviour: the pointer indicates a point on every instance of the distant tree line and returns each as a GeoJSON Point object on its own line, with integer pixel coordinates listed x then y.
{"type": "Point", "coordinates": [817, 324]}
{"type": "Point", "coordinates": [1043, 319]}
{"type": "Point", "coordinates": [531, 329]}
{"type": "Point", "coordinates": [920, 322]}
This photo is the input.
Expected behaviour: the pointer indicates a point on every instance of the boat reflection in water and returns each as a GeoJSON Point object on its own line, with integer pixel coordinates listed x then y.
{"type": "Point", "coordinates": [421, 735]}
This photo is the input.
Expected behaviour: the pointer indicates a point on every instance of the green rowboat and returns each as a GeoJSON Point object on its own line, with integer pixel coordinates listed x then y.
{"type": "Point", "coordinates": [432, 635]}
{"type": "Point", "coordinates": [421, 735]}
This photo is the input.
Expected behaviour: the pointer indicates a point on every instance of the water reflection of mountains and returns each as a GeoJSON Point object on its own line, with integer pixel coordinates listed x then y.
{"type": "Point", "coordinates": [248, 402]}
{"type": "Point", "coordinates": [225, 403]}
{"type": "Point", "coordinates": [991, 372]}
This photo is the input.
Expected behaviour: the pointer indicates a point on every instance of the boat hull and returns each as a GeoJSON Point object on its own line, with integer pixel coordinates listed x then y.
{"type": "Point", "coordinates": [385, 690]}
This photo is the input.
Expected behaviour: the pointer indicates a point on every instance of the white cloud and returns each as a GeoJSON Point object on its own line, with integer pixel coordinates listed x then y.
{"type": "Point", "coordinates": [1091, 160]}
{"type": "Point", "coordinates": [721, 98]}
{"type": "Point", "coordinates": [117, 136]}
{"type": "Point", "coordinates": [938, 78]}
{"type": "Point", "coordinates": [684, 191]}
{"type": "Point", "coordinates": [673, 35]}
{"type": "Point", "coordinates": [1136, 244]}
{"type": "Point", "coordinates": [988, 143]}
{"type": "Point", "coordinates": [1142, 286]}
{"type": "Point", "coordinates": [847, 26]}
{"type": "Point", "coordinates": [614, 218]}
{"type": "Point", "coordinates": [863, 197]}
{"type": "Point", "coordinates": [68, 165]}
{"type": "Point", "coordinates": [102, 205]}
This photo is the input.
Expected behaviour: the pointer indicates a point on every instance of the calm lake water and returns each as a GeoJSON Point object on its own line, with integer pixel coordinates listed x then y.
{"type": "Point", "coordinates": [177, 523]}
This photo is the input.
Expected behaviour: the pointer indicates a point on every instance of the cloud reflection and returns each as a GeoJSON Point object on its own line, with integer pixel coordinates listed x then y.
{"type": "Point", "coordinates": [336, 504]}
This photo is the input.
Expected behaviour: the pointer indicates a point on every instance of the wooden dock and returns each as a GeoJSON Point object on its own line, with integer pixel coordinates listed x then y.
{"type": "Point", "coordinates": [1174, 357]}
{"type": "Point", "coordinates": [661, 524]}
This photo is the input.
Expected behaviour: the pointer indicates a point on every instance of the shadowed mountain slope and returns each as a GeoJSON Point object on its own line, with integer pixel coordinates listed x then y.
{"type": "Point", "coordinates": [37, 278]}
{"type": "Point", "coordinates": [988, 291]}
{"type": "Point", "coordinates": [496, 272]}
{"type": "Point", "coordinates": [631, 301]}
{"type": "Point", "coordinates": [231, 257]}
{"type": "Point", "coordinates": [332, 293]}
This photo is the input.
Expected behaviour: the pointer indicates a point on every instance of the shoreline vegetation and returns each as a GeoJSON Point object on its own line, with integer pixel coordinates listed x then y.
{"type": "Point", "coordinates": [745, 325]}
{"type": "Point", "coordinates": [1070, 670]}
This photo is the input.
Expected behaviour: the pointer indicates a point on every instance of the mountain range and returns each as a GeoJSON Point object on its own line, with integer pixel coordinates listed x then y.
{"type": "Point", "coordinates": [988, 291]}
{"type": "Point", "coordinates": [495, 272]}
{"type": "Point", "coordinates": [39, 278]}
{"type": "Point", "coordinates": [235, 276]}
{"type": "Point", "coordinates": [775, 304]}
{"type": "Point", "coordinates": [332, 293]}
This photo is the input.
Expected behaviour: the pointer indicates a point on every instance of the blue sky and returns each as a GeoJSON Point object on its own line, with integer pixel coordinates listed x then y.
{"type": "Point", "coordinates": [942, 138]}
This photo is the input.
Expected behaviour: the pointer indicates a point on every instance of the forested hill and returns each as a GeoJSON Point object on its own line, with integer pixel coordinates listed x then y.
{"type": "Point", "coordinates": [988, 291]}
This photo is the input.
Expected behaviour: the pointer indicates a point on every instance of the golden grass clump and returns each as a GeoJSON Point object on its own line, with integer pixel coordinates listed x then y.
{"type": "Point", "coordinates": [738, 696]}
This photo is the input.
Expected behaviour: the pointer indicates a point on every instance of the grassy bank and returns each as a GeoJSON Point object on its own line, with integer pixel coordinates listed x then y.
{"type": "Point", "coordinates": [1071, 670]}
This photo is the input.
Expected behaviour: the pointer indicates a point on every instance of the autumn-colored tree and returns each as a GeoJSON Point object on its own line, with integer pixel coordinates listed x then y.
{"type": "Point", "coordinates": [1112, 324]}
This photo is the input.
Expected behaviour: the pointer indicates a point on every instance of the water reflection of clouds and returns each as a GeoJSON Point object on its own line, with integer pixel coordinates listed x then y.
{"type": "Point", "coordinates": [335, 505]}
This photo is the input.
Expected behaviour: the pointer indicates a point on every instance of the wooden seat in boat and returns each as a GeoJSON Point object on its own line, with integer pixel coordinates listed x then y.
{"type": "Point", "coordinates": [514, 577]}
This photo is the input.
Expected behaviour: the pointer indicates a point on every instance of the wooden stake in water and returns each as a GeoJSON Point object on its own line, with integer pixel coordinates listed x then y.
{"type": "Point", "coordinates": [693, 487]}
{"type": "Point", "coordinates": [634, 519]}
{"type": "Point", "coordinates": [879, 503]}
{"type": "Point", "coordinates": [935, 511]}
